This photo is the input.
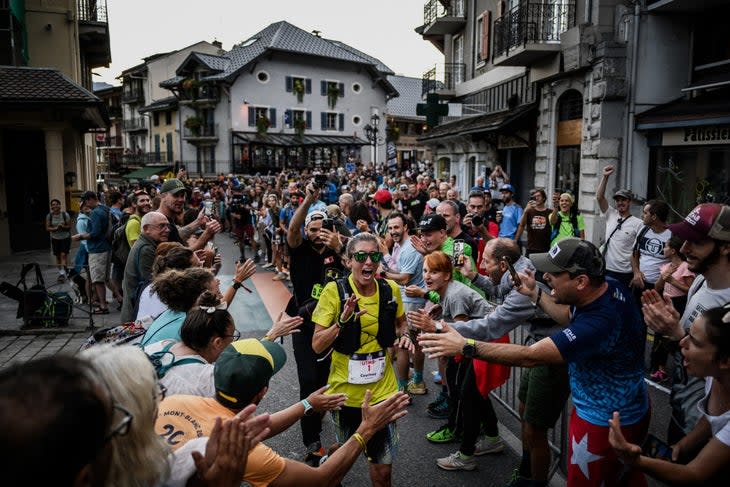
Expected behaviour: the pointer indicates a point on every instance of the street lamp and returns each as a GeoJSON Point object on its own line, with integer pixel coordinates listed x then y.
{"type": "Point", "coordinates": [371, 133]}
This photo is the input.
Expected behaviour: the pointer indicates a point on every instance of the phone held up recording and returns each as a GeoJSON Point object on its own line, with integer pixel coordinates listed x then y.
{"type": "Point", "coordinates": [515, 278]}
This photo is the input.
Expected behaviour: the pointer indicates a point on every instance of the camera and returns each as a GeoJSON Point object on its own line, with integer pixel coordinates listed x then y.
{"type": "Point", "coordinates": [477, 220]}
{"type": "Point", "coordinates": [329, 224]}
{"type": "Point", "coordinates": [319, 181]}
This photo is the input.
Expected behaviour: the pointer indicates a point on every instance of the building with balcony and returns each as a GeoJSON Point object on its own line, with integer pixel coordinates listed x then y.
{"type": "Point", "coordinates": [151, 126]}
{"type": "Point", "coordinates": [404, 125]}
{"type": "Point", "coordinates": [49, 113]}
{"type": "Point", "coordinates": [110, 144]}
{"type": "Point", "coordinates": [284, 97]}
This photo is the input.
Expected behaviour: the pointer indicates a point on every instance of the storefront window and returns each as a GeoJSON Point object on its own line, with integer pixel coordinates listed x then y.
{"type": "Point", "coordinates": [686, 176]}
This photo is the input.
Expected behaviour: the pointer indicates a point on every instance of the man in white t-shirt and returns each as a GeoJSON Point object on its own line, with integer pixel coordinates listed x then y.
{"type": "Point", "coordinates": [621, 230]}
{"type": "Point", "coordinates": [648, 254]}
{"type": "Point", "coordinates": [706, 231]}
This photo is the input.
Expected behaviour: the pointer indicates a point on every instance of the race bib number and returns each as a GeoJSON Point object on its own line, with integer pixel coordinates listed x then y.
{"type": "Point", "coordinates": [366, 368]}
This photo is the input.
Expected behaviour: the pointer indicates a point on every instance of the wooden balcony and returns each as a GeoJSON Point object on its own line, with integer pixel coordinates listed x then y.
{"type": "Point", "coordinates": [94, 38]}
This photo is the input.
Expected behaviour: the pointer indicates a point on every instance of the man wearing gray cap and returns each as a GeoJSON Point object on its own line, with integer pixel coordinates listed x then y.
{"type": "Point", "coordinates": [603, 345]}
{"type": "Point", "coordinates": [621, 230]}
{"type": "Point", "coordinates": [172, 205]}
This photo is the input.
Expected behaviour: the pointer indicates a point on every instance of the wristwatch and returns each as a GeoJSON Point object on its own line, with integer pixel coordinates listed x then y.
{"type": "Point", "coordinates": [308, 409]}
{"type": "Point", "coordinates": [439, 327]}
{"type": "Point", "coordinates": [236, 285]}
{"type": "Point", "coordinates": [470, 348]}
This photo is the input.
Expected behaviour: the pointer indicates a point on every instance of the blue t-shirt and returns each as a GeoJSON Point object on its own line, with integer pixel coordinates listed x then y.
{"type": "Point", "coordinates": [166, 327]}
{"type": "Point", "coordinates": [511, 216]}
{"type": "Point", "coordinates": [411, 262]}
{"type": "Point", "coordinates": [604, 348]}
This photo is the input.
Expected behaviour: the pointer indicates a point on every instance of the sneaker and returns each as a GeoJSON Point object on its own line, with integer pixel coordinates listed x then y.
{"type": "Point", "coordinates": [457, 461]}
{"type": "Point", "coordinates": [442, 435]}
{"type": "Point", "coordinates": [267, 265]}
{"type": "Point", "coordinates": [437, 379]}
{"type": "Point", "coordinates": [658, 376]}
{"type": "Point", "coordinates": [279, 277]}
{"type": "Point", "coordinates": [488, 444]}
{"type": "Point", "coordinates": [518, 481]}
{"type": "Point", "coordinates": [440, 408]}
{"type": "Point", "coordinates": [314, 454]}
{"type": "Point", "coordinates": [417, 389]}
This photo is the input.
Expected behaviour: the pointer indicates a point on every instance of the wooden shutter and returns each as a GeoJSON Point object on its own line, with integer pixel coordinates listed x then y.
{"type": "Point", "coordinates": [324, 120]}
{"type": "Point", "coordinates": [272, 117]}
{"type": "Point", "coordinates": [308, 85]}
{"type": "Point", "coordinates": [323, 86]}
{"type": "Point", "coordinates": [289, 84]}
{"type": "Point", "coordinates": [309, 119]}
{"type": "Point", "coordinates": [288, 123]}
{"type": "Point", "coordinates": [342, 89]}
{"type": "Point", "coordinates": [251, 116]}
{"type": "Point", "coordinates": [341, 116]}
{"type": "Point", "coordinates": [486, 24]}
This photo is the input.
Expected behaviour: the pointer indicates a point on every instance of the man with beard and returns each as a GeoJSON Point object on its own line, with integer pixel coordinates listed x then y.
{"type": "Point", "coordinates": [450, 211]}
{"type": "Point", "coordinates": [511, 212]}
{"type": "Point", "coordinates": [314, 259]}
{"type": "Point", "coordinates": [602, 343]}
{"type": "Point", "coordinates": [415, 202]}
{"type": "Point", "coordinates": [706, 231]}
{"type": "Point", "coordinates": [285, 216]}
{"type": "Point", "coordinates": [141, 204]}
{"type": "Point", "coordinates": [172, 205]}
{"type": "Point", "coordinates": [407, 270]}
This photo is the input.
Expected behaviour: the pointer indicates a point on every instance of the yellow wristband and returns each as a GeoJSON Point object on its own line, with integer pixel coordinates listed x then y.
{"type": "Point", "coordinates": [363, 445]}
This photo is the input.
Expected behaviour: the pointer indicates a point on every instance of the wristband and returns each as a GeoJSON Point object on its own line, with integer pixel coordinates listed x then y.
{"type": "Point", "coordinates": [358, 437]}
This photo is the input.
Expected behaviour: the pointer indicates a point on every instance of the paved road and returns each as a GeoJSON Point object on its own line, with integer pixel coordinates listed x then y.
{"type": "Point", "coordinates": [415, 463]}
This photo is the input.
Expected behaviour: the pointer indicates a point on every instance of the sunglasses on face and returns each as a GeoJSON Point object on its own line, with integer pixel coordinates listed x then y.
{"type": "Point", "coordinates": [361, 256]}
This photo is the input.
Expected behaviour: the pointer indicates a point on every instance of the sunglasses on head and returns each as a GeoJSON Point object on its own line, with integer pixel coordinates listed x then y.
{"type": "Point", "coordinates": [361, 256]}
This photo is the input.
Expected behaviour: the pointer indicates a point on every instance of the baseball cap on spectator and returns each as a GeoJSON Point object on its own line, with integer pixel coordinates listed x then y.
{"type": "Point", "coordinates": [507, 187]}
{"type": "Point", "coordinates": [172, 186]}
{"type": "Point", "coordinates": [571, 255]}
{"type": "Point", "coordinates": [87, 195]}
{"type": "Point", "coordinates": [623, 193]}
{"type": "Point", "coordinates": [433, 203]}
{"type": "Point", "coordinates": [432, 222]}
{"type": "Point", "coordinates": [382, 196]}
{"type": "Point", "coordinates": [196, 190]}
{"type": "Point", "coordinates": [708, 220]}
{"type": "Point", "coordinates": [315, 215]}
{"type": "Point", "coordinates": [403, 187]}
{"type": "Point", "coordinates": [244, 368]}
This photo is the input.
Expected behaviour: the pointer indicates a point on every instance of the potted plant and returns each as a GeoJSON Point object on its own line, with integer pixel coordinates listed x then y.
{"type": "Point", "coordinates": [333, 93]}
{"type": "Point", "coordinates": [193, 124]}
{"type": "Point", "coordinates": [190, 86]}
{"type": "Point", "coordinates": [300, 125]}
{"type": "Point", "coordinates": [298, 89]}
{"type": "Point", "coordinates": [262, 125]}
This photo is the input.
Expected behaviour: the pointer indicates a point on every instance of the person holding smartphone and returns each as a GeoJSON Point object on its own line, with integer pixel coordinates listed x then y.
{"type": "Point", "coordinates": [704, 454]}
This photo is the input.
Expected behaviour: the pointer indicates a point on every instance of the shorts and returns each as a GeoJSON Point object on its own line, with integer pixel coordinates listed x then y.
{"type": "Point", "coordinates": [60, 246]}
{"type": "Point", "coordinates": [543, 391]}
{"type": "Point", "coordinates": [382, 447]}
{"type": "Point", "coordinates": [246, 231]}
{"type": "Point", "coordinates": [99, 266]}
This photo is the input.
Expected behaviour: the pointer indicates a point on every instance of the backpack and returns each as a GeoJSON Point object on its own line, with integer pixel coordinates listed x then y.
{"type": "Point", "coordinates": [162, 366]}
{"type": "Point", "coordinates": [111, 225]}
{"type": "Point", "coordinates": [348, 341]}
{"type": "Point", "coordinates": [556, 227]}
{"type": "Point", "coordinates": [120, 244]}
{"type": "Point", "coordinates": [65, 215]}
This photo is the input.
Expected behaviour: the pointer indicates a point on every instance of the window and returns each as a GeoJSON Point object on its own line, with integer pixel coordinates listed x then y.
{"type": "Point", "coordinates": [156, 119]}
{"type": "Point", "coordinates": [458, 75]}
{"type": "Point", "coordinates": [290, 116]}
{"type": "Point", "coordinates": [333, 121]}
{"type": "Point", "coordinates": [168, 117]}
{"type": "Point", "coordinates": [262, 77]}
{"type": "Point", "coordinates": [298, 85]}
{"type": "Point", "coordinates": [327, 87]}
{"type": "Point", "coordinates": [256, 112]}
{"type": "Point", "coordinates": [484, 24]}
{"type": "Point", "coordinates": [356, 88]}
{"type": "Point", "coordinates": [356, 120]}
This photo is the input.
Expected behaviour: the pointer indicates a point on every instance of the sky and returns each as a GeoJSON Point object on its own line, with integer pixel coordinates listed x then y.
{"type": "Point", "coordinates": [380, 28]}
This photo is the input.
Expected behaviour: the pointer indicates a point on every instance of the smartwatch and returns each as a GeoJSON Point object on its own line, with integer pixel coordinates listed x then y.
{"type": "Point", "coordinates": [308, 409]}
{"type": "Point", "coordinates": [470, 348]}
{"type": "Point", "coordinates": [439, 327]}
{"type": "Point", "coordinates": [236, 285]}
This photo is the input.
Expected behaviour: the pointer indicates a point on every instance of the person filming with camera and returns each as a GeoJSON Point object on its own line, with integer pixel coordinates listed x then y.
{"type": "Point", "coordinates": [314, 258]}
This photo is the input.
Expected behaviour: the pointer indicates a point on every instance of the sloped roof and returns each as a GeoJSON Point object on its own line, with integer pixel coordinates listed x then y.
{"type": "Point", "coordinates": [478, 123]}
{"type": "Point", "coordinates": [41, 84]}
{"type": "Point", "coordinates": [164, 104]}
{"type": "Point", "coordinates": [216, 63]}
{"type": "Point", "coordinates": [377, 62]}
{"type": "Point", "coordinates": [410, 95]}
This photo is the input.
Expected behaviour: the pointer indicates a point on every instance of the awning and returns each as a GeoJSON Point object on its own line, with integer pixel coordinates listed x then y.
{"type": "Point", "coordinates": [169, 103]}
{"type": "Point", "coordinates": [293, 140]}
{"type": "Point", "coordinates": [712, 108]}
{"type": "Point", "coordinates": [147, 172]}
{"type": "Point", "coordinates": [477, 124]}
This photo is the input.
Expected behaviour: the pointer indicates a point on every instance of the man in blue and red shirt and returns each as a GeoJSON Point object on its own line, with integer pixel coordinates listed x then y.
{"type": "Point", "coordinates": [603, 345]}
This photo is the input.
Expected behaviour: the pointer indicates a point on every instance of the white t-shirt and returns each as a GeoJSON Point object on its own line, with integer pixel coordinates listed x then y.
{"type": "Point", "coordinates": [651, 253]}
{"type": "Point", "coordinates": [720, 425]}
{"type": "Point", "coordinates": [193, 378]}
{"type": "Point", "coordinates": [150, 306]}
{"type": "Point", "coordinates": [620, 248]}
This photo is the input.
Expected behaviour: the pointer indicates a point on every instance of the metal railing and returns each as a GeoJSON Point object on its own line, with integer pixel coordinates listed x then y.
{"type": "Point", "coordinates": [203, 131]}
{"type": "Point", "coordinates": [443, 77]}
{"type": "Point", "coordinates": [532, 21]}
{"type": "Point", "coordinates": [499, 98]}
{"type": "Point", "coordinates": [92, 11]}
{"type": "Point", "coordinates": [136, 123]}
{"type": "Point", "coordinates": [202, 93]}
{"type": "Point", "coordinates": [130, 96]}
{"type": "Point", "coordinates": [110, 141]}
{"type": "Point", "coordinates": [434, 9]}
{"type": "Point", "coordinates": [145, 158]}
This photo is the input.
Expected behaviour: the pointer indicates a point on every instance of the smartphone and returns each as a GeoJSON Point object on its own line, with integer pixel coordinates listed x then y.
{"type": "Point", "coordinates": [655, 448]}
{"type": "Point", "coordinates": [329, 224]}
{"type": "Point", "coordinates": [458, 256]}
{"type": "Point", "coordinates": [512, 271]}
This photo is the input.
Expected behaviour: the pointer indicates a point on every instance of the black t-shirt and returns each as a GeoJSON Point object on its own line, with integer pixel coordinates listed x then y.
{"type": "Point", "coordinates": [174, 235]}
{"type": "Point", "coordinates": [308, 267]}
{"type": "Point", "coordinates": [470, 241]}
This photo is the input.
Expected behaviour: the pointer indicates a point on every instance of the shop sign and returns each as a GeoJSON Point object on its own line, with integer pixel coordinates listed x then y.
{"type": "Point", "coordinates": [708, 135]}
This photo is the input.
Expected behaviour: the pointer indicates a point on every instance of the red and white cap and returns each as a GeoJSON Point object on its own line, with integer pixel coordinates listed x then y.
{"type": "Point", "coordinates": [708, 220]}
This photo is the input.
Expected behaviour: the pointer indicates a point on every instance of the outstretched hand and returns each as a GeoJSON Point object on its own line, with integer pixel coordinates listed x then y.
{"type": "Point", "coordinates": [445, 344]}
{"type": "Point", "coordinates": [660, 315]}
{"type": "Point", "coordinates": [375, 418]}
{"type": "Point", "coordinates": [321, 402]}
{"type": "Point", "coordinates": [285, 325]}
{"type": "Point", "coordinates": [627, 452]}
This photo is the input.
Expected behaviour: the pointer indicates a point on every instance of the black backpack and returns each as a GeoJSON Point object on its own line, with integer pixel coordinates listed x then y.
{"type": "Point", "coordinates": [348, 341]}
{"type": "Point", "coordinates": [120, 244]}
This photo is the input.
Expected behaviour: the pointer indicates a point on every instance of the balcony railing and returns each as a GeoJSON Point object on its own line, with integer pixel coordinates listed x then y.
{"type": "Point", "coordinates": [209, 131]}
{"type": "Point", "coordinates": [92, 11]}
{"type": "Point", "coordinates": [111, 141]}
{"type": "Point", "coordinates": [146, 158]}
{"type": "Point", "coordinates": [434, 9]}
{"type": "Point", "coordinates": [532, 22]}
{"type": "Point", "coordinates": [443, 77]}
{"type": "Point", "coordinates": [136, 123]}
{"type": "Point", "coordinates": [132, 96]}
{"type": "Point", "coordinates": [114, 111]}
{"type": "Point", "coordinates": [201, 94]}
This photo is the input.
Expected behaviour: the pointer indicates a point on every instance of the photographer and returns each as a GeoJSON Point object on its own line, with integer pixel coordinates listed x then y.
{"type": "Point", "coordinates": [315, 257]}
{"type": "Point", "coordinates": [479, 222]}
{"type": "Point", "coordinates": [240, 208]}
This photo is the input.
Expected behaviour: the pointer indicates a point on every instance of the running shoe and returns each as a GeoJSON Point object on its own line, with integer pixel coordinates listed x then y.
{"type": "Point", "coordinates": [442, 435]}
{"type": "Point", "coordinates": [457, 461]}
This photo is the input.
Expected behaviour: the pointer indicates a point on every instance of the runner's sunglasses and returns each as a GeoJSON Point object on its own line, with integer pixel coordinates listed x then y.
{"type": "Point", "coordinates": [361, 256]}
